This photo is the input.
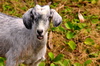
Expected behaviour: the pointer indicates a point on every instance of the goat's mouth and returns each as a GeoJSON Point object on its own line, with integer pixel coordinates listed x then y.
{"type": "Point", "coordinates": [39, 37]}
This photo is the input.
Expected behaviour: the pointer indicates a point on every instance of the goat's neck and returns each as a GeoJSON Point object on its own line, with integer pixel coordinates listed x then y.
{"type": "Point", "coordinates": [36, 43]}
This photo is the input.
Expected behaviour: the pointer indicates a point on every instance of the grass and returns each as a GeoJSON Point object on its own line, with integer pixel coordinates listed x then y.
{"type": "Point", "coordinates": [73, 43]}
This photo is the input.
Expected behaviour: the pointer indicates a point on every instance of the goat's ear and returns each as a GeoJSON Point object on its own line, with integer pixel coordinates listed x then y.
{"type": "Point", "coordinates": [28, 19]}
{"type": "Point", "coordinates": [56, 18]}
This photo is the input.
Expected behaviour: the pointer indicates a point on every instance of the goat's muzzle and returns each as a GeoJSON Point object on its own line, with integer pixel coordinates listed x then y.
{"type": "Point", "coordinates": [39, 36]}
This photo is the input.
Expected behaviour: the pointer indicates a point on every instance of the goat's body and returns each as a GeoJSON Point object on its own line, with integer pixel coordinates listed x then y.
{"type": "Point", "coordinates": [19, 44]}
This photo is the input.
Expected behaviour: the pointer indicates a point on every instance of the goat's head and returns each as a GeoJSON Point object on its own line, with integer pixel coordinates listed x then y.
{"type": "Point", "coordinates": [38, 18]}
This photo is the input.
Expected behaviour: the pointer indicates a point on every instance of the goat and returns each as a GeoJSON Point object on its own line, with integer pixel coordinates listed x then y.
{"type": "Point", "coordinates": [23, 40]}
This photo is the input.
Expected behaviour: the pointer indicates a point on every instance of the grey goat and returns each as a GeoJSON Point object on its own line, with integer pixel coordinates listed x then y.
{"type": "Point", "coordinates": [23, 40]}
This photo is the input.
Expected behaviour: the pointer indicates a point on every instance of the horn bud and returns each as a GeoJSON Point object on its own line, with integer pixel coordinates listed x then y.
{"type": "Point", "coordinates": [35, 2]}
{"type": "Point", "coordinates": [49, 3]}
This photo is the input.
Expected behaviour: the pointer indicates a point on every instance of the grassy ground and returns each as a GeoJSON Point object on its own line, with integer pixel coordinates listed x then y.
{"type": "Point", "coordinates": [76, 43]}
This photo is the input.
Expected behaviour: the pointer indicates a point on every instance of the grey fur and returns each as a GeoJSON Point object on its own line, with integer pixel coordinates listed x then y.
{"type": "Point", "coordinates": [19, 40]}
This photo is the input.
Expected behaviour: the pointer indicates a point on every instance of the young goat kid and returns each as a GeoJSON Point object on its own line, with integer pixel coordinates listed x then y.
{"type": "Point", "coordinates": [23, 40]}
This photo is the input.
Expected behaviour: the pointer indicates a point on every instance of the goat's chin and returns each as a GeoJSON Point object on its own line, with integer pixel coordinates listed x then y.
{"type": "Point", "coordinates": [40, 37]}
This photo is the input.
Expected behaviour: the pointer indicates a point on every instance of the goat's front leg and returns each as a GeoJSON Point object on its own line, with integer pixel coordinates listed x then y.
{"type": "Point", "coordinates": [12, 58]}
{"type": "Point", "coordinates": [11, 62]}
{"type": "Point", "coordinates": [36, 63]}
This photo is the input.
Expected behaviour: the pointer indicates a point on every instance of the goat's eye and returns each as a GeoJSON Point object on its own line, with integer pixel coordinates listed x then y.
{"type": "Point", "coordinates": [32, 16]}
{"type": "Point", "coordinates": [36, 19]}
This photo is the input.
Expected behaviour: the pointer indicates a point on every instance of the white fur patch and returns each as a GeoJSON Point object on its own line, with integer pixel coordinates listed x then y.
{"type": "Point", "coordinates": [42, 10]}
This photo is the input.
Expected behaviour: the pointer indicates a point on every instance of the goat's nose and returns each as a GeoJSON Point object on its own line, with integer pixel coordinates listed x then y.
{"type": "Point", "coordinates": [39, 32]}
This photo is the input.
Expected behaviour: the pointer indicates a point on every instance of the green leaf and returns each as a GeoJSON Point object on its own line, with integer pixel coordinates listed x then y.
{"type": "Point", "coordinates": [53, 28]}
{"type": "Point", "coordinates": [76, 27]}
{"type": "Point", "coordinates": [22, 65]}
{"type": "Point", "coordinates": [42, 64]}
{"type": "Point", "coordinates": [58, 57]}
{"type": "Point", "coordinates": [66, 62]}
{"type": "Point", "coordinates": [51, 55]}
{"type": "Point", "coordinates": [95, 21]}
{"type": "Point", "coordinates": [69, 25]}
{"type": "Point", "coordinates": [89, 41]}
{"type": "Point", "coordinates": [69, 35]}
{"type": "Point", "coordinates": [72, 45]}
{"type": "Point", "coordinates": [77, 64]}
{"type": "Point", "coordinates": [23, 8]}
{"type": "Point", "coordinates": [2, 59]}
{"type": "Point", "coordinates": [60, 63]}
{"type": "Point", "coordinates": [98, 26]}
{"type": "Point", "coordinates": [52, 64]}
{"type": "Point", "coordinates": [87, 62]}
{"type": "Point", "coordinates": [61, 29]}
{"type": "Point", "coordinates": [88, 29]}
{"type": "Point", "coordinates": [80, 0]}
{"type": "Point", "coordinates": [93, 1]}
{"type": "Point", "coordinates": [82, 25]}
{"type": "Point", "coordinates": [58, 29]}
{"type": "Point", "coordinates": [94, 55]}
{"type": "Point", "coordinates": [1, 64]}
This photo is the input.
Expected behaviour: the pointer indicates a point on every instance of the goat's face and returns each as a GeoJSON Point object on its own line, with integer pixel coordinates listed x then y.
{"type": "Point", "coordinates": [38, 18]}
